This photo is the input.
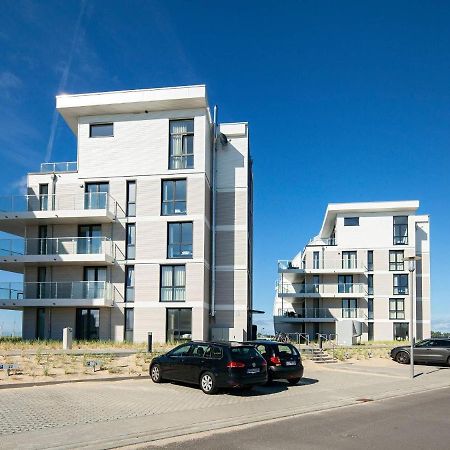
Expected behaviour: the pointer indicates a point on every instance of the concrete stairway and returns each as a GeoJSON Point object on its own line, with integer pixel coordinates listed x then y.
{"type": "Point", "coordinates": [319, 356]}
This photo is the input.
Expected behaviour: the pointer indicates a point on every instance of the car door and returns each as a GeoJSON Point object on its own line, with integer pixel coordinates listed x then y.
{"type": "Point", "coordinates": [439, 351]}
{"type": "Point", "coordinates": [194, 362]}
{"type": "Point", "coordinates": [173, 365]}
{"type": "Point", "coordinates": [422, 351]}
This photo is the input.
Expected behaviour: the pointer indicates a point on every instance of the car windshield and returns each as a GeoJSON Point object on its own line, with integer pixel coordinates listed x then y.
{"type": "Point", "coordinates": [244, 352]}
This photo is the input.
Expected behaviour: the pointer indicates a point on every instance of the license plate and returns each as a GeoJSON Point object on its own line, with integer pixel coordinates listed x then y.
{"type": "Point", "coordinates": [290, 363]}
{"type": "Point", "coordinates": [253, 370]}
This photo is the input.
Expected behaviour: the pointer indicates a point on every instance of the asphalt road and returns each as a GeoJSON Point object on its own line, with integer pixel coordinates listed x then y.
{"type": "Point", "coordinates": [419, 421]}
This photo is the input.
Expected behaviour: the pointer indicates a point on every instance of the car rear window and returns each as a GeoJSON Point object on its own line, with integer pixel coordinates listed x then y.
{"type": "Point", "coordinates": [286, 350]}
{"type": "Point", "coordinates": [214, 353]}
{"type": "Point", "coordinates": [244, 352]}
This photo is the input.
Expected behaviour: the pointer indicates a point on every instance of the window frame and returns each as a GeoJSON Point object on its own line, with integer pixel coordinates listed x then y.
{"type": "Point", "coordinates": [348, 262]}
{"type": "Point", "coordinates": [172, 287]}
{"type": "Point", "coordinates": [127, 244]}
{"type": "Point", "coordinates": [126, 312]}
{"type": "Point", "coordinates": [131, 182]}
{"type": "Point", "coordinates": [127, 297]}
{"type": "Point", "coordinates": [351, 221]}
{"type": "Point", "coordinates": [398, 239]}
{"type": "Point", "coordinates": [100, 124]}
{"type": "Point", "coordinates": [396, 265]}
{"type": "Point", "coordinates": [184, 155]}
{"type": "Point", "coordinates": [173, 201]}
{"type": "Point", "coordinates": [351, 311]}
{"type": "Point", "coordinates": [396, 286]}
{"type": "Point", "coordinates": [370, 308]}
{"type": "Point", "coordinates": [397, 313]}
{"type": "Point", "coordinates": [345, 284]}
{"type": "Point", "coordinates": [180, 244]}
{"type": "Point", "coordinates": [370, 260]}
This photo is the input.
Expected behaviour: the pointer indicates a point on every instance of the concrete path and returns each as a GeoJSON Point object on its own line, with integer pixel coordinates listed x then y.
{"type": "Point", "coordinates": [113, 414]}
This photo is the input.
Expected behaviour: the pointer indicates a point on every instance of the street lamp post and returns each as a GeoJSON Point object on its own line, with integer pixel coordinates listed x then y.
{"type": "Point", "coordinates": [412, 267]}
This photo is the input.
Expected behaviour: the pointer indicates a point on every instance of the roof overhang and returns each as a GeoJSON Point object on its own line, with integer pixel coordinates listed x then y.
{"type": "Point", "coordinates": [71, 107]}
{"type": "Point", "coordinates": [334, 209]}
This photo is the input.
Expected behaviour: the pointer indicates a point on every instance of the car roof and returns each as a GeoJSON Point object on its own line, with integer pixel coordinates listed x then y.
{"type": "Point", "coordinates": [265, 341]}
{"type": "Point", "coordinates": [221, 343]}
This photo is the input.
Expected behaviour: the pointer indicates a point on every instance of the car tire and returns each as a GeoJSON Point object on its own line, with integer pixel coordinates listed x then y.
{"type": "Point", "coordinates": [155, 373]}
{"type": "Point", "coordinates": [293, 381]}
{"type": "Point", "coordinates": [208, 383]}
{"type": "Point", "coordinates": [402, 358]}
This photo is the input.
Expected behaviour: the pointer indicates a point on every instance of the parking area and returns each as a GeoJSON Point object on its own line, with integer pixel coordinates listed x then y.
{"type": "Point", "coordinates": [102, 414]}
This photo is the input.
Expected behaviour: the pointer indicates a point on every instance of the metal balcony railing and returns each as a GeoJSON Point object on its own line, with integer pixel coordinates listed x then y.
{"type": "Point", "coordinates": [56, 246]}
{"type": "Point", "coordinates": [55, 202]}
{"type": "Point", "coordinates": [56, 290]}
{"type": "Point", "coordinates": [324, 289]}
{"type": "Point", "coordinates": [70, 166]}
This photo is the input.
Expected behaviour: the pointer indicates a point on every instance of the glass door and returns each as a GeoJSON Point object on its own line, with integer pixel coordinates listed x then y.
{"type": "Point", "coordinates": [40, 323]}
{"type": "Point", "coordinates": [95, 278]}
{"type": "Point", "coordinates": [96, 195]}
{"type": "Point", "coordinates": [90, 241]}
{"type": "Point", "coordinates": [87, 324]}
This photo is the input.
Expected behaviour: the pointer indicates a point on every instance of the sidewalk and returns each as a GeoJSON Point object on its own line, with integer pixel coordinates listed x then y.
{"type": "Point", "coordinates": [113, 414]}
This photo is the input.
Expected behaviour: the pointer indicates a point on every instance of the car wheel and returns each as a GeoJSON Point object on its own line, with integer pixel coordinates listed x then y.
{"type": "Point", "coordinates": [155, 373]}
{"type": "Point", "coordinates": [208, 383]}
{"type": "Point", "coordinates": [294, 381]}
{"type": "Point", "coordinates": [402, 358]}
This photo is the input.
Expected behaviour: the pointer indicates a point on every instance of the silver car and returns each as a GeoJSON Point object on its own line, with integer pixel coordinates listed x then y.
{"type": "Point", "coordinates": [435, 350]}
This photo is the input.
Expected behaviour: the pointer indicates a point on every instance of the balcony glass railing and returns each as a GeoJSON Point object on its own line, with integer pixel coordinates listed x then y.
{"type": "Point", "coordinates": [56, 290]}
{"type": "Point", "coordinates": [56, 246]}
{"type": "Point", "coordinates": [306, 313]}
{"type": "Point", "coordinates": [70, 166]}
{"type": "Point", "coordinates": [322, 264]}
{"type": "Point", "coordinates": [55, 202]}
{"type": "Point", "coordinates": [323, 289]}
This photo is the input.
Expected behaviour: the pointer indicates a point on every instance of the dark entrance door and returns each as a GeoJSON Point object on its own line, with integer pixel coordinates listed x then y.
{"type": "Point", "coordinates": [40, 323]}
{"type": "Point", "coordinates": [87, 324]}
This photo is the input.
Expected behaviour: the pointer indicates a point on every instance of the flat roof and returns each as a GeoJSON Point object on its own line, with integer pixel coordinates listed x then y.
{"type": "Point", "coordinates": [73, 106]}
{"type": "Point", "coordinates": [333, 209]}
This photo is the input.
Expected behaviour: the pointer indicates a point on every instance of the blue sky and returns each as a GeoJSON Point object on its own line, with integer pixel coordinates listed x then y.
{"type": "Point", "coordinates": [347, 101]}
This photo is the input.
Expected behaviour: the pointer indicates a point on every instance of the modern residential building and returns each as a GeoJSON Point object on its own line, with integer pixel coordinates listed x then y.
{"type": "Point", "coordinates": [150, 230]}
{"type": "Point", "coordinates": [351, 280]}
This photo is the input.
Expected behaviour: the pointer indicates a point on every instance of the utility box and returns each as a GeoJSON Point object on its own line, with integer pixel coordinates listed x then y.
{"type": "Point", "coordinates": [67, 338]}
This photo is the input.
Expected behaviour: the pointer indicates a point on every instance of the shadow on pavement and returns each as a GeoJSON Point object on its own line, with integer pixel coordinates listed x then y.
{"type": "Point", "coordinates": [308, 381]}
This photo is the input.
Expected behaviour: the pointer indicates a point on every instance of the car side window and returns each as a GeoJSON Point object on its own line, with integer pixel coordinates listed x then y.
{"type": "Point", "coordinates": [262, 349]}
{"type": "Point", "coordinates": [181, 351]}
{"type": "Point", "coordinates": [213, 352]}
{"type": "Point", "coordinates": [200, 350]}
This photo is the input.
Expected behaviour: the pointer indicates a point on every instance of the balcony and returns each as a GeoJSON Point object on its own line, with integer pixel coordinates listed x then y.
{"type": "Point", "coordinates": [318, 314]}
{"type": "Point", "coordinates": [58, 167]}
{"type": "Point", "coordinates": [334, 290]}
{"type": "Point", "coordinates": [323, 265]}
{"type": "Point", "coordinates": [318, 241]}
{"type": "Point", "coordinates": [70, 293]}
{"type": "Point", "coordinates": [16, 253]}
{"type": "Point", "coordinates": [18, 210]}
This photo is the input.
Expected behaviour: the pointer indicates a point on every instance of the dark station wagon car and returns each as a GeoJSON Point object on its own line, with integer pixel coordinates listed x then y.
{"type": "Point", "coordinates": [283, 360]}
{"type": "Point", "coordinates": [211, 365]}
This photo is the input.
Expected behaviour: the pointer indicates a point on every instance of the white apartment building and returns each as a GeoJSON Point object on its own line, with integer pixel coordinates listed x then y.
{"type": "Point", "coordinates": [351, 282]}
{"type": "Point", "coordinates": [150, 230]}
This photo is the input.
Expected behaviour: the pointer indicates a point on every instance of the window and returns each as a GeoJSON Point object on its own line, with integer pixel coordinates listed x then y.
{"type": "Point", "coordinates": [129, 283]}
{"type": "Point", "coordinates": [370, 260]}
{"type": "Point", "coordinates": [131, 198]}
{"type": "Point", "coordinates": [173, 283]}
{"type": "Point", "coordinates": [400, 230]}
{"type": "Point", "coordinates": [349, 308]}
{"type": "Point", "coordinates": [214, 352]}
{"type": "Point", "coordinates": [131, 241]}
{"type": "Point", "coordinates": [370, 308]}
{"type": "Point", "coordinates": [101, 130]}
{"type": "Point", "coordinates": [401, 331]}
{"type": "Point", "coordinates": [129, 324]}
{"type": "Point", "coordinates": [89, 240]}
{"type": "Point", "coordinates": [396, 260]}
{"type": "Point", "coordinates": [400, 284]}
{"type": "Point", "coordinates": [316, 281]}
{"type": "Point", "coordinates": [40, 323]}
{"type": "Point", "coordinates": [179, 324]}
{"type": "Point", "coordinates": [87, 326]}
{"type": "Point", "coordinates": [96, 195]}
{"type": "Point", "coordinates": [370, 284]}
{"type": "Point", "coordinates": [316, 260]}
{"type": "Point", "coordinates": [345, 284]}
{"type": "Point", "coordinates": [349, 260]}
{"type": "Point", "coordinates": [370, 331]}
{"type": "Point", "coordinates": [181, 151]}
{"type": "Point", "coordinates": [182, 350]}
{"type": "Point", "coordinates": [173, 197]}
{"type": "Point", "coordinates": [351, 221]}
{"type": "Point", "coordinates": [180, 240]}
{"type": "Point", "coordinates": [396, 308]}
{"type": "Point", "coordinates": [43, 197]}
{"type": "Point", "coordinates": [42, 241]}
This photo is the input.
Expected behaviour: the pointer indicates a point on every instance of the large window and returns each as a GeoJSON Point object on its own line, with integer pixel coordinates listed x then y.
{"type": "Point", "coordinates": [351, 221]}
{"type": "Point", "coordinates": [400, 284]}
{"type": "Point", "coordinates": [316, 260]}
{"type": "Point", "coordinates": [101, 130]}
{"type": "Point", "coordinates": [181, 152]}
{"type": "Point", "coordinates": [349, 260]}
{"type": "Point", "coordinates": [179, 324]}
{"type": "Point", "coordinates": [129, 283]}
{"type": "Point", "coordinates": [370, 308]}
{"type": "Point", "coordinates": [370, 284]}
{"type": "Point", "coordinates": [370, 331]}
{"type": "Point", "coordinates": [370, 260]}
{"type": "Point", "coordinates": [180, 240]}
{"type": "Point", "coordinates": [345, 284]}
{"type": "Point", "coordinates": [396, 308]}
{"type": "Point", "coordinates": [396, 260]}
{"type": "Point", "coordinates": [349, 306]}
{"type": "Point", "coordinates": [87, 324]}
{"type": "Point", "coordinates": [129, 324]}
{"type": "Point", "coordinates": [131, 198]}
{"type": "Point", "coordinates": [43, 197]}
{"type": "Point", "coordinates": [400, 230]}
{"type": "Point", "coordinates": [173, 197]}
{"type": "Point", "coordinates": [96, 195]}
{"type": "Point", "coordinates": [131, 241]}
{"type": "Point", "coordinates": [173, 283]}
{"type": "Point", "coordinates": [89, 240]}
{"type": "Point", "coordinates": [401, 331]}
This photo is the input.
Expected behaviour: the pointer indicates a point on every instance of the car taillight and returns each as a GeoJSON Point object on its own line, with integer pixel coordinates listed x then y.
{"type": "Point", "coordinates": [275, 360]}
{"type": "Point", "coordinates": [235, 365]}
